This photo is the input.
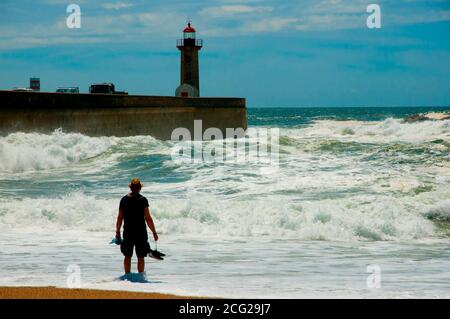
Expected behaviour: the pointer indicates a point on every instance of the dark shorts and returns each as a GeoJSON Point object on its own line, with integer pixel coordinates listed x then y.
{"type": "Point", "coordinates": [142, 247]}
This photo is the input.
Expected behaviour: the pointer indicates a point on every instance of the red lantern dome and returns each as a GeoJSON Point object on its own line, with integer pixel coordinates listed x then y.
{"type": "Point", "coordinates": [189, 29]}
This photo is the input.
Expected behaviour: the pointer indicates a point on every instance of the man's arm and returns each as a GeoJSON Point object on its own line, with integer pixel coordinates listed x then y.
{"type": "Point", "coordinates": [119, 223]}
{"type": "Point", "coordinates": [151, 225]}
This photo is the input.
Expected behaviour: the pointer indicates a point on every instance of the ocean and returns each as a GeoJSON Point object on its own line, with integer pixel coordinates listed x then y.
{"type": "Point", "coordinates": [358, 206]}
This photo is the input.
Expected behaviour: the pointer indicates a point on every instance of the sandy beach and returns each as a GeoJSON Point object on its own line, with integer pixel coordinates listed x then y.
{"type": "Point", "coordinates": [62, 293]}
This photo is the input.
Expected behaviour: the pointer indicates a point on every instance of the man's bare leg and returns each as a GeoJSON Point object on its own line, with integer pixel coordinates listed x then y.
{"type": "Point", "coordinates": [141, 264]}
{"type": "Point", "coordinates": [127, 265]}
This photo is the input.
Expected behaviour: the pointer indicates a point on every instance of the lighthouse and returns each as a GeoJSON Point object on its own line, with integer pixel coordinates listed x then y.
{"type": "Point", "coordinates": [189, 71]}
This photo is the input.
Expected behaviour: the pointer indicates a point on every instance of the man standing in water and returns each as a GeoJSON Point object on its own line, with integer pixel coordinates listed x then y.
{"type": "Point", "coordinates": [133, 210]}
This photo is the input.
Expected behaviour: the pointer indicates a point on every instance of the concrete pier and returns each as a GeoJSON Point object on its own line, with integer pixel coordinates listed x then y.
{"type": "Point", "coordinates": [116, 115]}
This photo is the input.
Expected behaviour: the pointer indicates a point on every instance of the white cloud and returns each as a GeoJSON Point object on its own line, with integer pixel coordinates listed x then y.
{"type": "Point", "coordinates": [270, 25]}
{"type": "Point", "coordinates": [229, 18]}
{"type": "Point", "coordinates": [343, 14]}
{"type": "Point", "coordinates": [230, 10]}
{"type": "Point", "coordinates": [117, 5]}
{"type": "Point", "coordinates": [63, 2]}
{"type": "Point", "coordinates": [428, 17]}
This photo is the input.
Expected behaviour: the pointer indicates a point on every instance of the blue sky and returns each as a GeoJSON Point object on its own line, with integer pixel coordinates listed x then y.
{"type": "Point", "coordinates": [273, 52]}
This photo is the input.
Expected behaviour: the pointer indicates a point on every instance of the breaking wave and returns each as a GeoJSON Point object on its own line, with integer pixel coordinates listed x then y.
{"type": "Point", "coordinates": [387, 131]}
{"type": "Point", "coordinates": [28, 152]}
{"type": "Point", "coordinates": [22, 152]}
{"type": "Point", "coordinates": [360, 217]}
{"type": "Point", "coordinates": [353, 180]}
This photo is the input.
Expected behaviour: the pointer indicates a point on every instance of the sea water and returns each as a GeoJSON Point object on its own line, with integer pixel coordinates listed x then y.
{"type": "Point", "coordinates": [359, 206]}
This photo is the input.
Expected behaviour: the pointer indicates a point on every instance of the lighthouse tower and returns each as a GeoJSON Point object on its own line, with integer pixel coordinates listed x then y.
{"type": "Point", "coordinates": [189, 74]}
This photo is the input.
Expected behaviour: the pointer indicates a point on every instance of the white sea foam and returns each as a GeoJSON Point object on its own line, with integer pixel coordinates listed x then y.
{"type": "Point", "coordinates": [75, 211]}
{"type": "Point", "coordinates": [355, 218]}
{"type": "Point", "coordinates": [22, 152]}
{"type": "Point", "coordinates": [313, 196]}
{"type": "Point", "coordinates": [34, 152]}
{"type": "Point", "coordinates": [387, 131]}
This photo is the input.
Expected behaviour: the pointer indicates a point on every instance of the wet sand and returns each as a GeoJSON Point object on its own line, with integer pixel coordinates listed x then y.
{"type": "Point", "coordinates": [62, 293]}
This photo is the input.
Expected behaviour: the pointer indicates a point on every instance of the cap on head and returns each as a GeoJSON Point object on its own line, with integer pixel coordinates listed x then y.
{"type": "Point", "coordinates": [135, 184]}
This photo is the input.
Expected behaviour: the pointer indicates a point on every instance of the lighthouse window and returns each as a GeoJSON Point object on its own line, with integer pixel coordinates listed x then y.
{"type": "Point", "coordinates": [189, 35]}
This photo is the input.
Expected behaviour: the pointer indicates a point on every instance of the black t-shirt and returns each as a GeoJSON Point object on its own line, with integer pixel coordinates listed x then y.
{"type": "Point", "coordinates": [134, 216]}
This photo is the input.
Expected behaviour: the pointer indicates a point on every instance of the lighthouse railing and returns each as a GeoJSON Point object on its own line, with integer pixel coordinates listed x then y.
{"type": "Point", "coordinates": [189, 42]}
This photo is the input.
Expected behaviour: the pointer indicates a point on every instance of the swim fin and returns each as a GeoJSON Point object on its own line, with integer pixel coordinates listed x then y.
{"type": "Point", "coordinates": [116, 241]}
{"type": "Point", "coordinates": [155, 254]}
